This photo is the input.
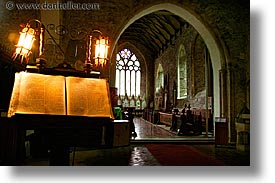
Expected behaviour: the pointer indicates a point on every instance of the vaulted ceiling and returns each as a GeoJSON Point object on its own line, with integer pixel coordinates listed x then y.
{"type": "Point", "coordinates": [153, 33]}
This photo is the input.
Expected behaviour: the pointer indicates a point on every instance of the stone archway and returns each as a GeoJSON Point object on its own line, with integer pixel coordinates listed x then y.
{"type": "Point", "coordinates": [218, 57]}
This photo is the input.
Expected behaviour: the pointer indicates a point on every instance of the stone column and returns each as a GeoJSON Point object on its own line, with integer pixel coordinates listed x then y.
{"type": "Point", "coordinates": [51, 19]}
{"type": "Point", "coordinates": [223, 93]}
{"type": "Point", "coordinates": [231, 105]}
{"type": "Point", "coordinates": [227, 101]}
{"type": "Point", "coordinates": [223, 97]}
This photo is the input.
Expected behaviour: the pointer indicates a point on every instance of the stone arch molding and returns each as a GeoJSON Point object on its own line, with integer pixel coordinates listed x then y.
{"type": "Point", "coordinates": [214, 46]}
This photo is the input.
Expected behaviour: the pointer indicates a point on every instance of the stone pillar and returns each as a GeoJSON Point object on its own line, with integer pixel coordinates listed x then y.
{"type": "Point", "coordinates": [223, 97]}
{"type": "Point", "coordinates": [223, 93]}
{"type": "Point", "coordinates": [51, 19]}
{"type": "Point", "coordinates": [231, 105]}
{"type": "Point", "coordinates": [227, 101]}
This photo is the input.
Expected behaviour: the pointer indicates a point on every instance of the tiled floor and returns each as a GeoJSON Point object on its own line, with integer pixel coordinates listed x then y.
{"type": "Point", "coordinates": [148, 131]}
{"type": "Point", "coordinates": [136, 154]}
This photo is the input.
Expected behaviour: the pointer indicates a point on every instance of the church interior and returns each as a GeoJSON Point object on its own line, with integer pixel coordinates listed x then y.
{"type": "Point", "coordinates": [178, 73]}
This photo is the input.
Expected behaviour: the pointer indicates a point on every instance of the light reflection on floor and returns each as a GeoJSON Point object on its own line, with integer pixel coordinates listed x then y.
{"type": "Point", "coordinates": [149, 131]}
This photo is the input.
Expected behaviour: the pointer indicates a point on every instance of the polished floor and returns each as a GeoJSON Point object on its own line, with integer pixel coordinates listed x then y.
{"type": "Point", "coordinates": [136, 154]}
{"type": "Point", "coordinates": [147, 131]}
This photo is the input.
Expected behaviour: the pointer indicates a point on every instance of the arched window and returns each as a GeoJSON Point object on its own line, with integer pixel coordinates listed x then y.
{"type": "Point", "coordinates": [159, 78]}
{"type": "Point", "coordinates": [127, 73]}
{"type": "Point", "coordinates": [182, 73]}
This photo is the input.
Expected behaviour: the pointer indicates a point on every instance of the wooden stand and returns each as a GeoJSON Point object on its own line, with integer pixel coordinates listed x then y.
{"type": "Point", "coordinates": [121, 133]}
{"type": "Point", "coordinates": [221, 131]}
{"type": "Point", "coordinates": [61, 132]}
{"type": "Point", "coordinates": [243, 133]}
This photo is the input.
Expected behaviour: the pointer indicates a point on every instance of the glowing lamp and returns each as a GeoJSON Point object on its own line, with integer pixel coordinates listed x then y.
{"type": "Point", "coordinates": [101, 51]}
{"type": "Point", "coordinates": [96, 50]}
{"type": "Point", "coordinates": [24, 46]}
{"type": "Point", "coordinates": [27, 37]}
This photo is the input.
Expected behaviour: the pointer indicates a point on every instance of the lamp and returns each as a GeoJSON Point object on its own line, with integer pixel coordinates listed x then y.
{"type": "Point", "coordinates": [26, 39]}
{"type": "Point", "coordinates": [25, 42]}
{"type": "Point", "coordinates": [96, 50]}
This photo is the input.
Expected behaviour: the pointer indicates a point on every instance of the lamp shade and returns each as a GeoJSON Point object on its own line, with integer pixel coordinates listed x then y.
{"type": "Point", "coordinates": [101, 51]}
{"type": "Point", "coordinates": [24, 46]}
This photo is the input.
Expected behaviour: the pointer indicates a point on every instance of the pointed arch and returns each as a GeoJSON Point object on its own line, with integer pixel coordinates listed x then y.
{"type": "Point", "coordinates": [128, 73]}
{"type": "Point", "coordinates": [214, 45]}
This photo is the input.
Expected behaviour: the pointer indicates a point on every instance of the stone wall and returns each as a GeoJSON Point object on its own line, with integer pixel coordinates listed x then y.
{"type": "Point", "coordinates": [194, 47]}
{"type": "Point", "coordinates": [10, 21]}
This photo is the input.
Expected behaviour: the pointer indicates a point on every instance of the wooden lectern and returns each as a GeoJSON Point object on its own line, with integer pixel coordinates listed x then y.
{"type": "Point", "coordinates": [67, 111]}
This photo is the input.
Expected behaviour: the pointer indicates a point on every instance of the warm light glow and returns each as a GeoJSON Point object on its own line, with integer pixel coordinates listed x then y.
{"type": "Point", "coordinates": [23, 48]}
{"type": "Point", "coordinates": [88, 50]}
{"type": "Point", "coordinates": [96, 51]}
{"type": "Point", "coordinates": [101, 51]}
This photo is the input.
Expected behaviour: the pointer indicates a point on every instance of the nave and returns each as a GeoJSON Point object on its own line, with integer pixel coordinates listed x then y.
{"type": "Point", "coordinates": [147, 131]}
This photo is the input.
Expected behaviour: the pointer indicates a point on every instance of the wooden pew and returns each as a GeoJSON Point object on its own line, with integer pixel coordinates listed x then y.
{"type": "Point", "coordinates": [202, 113]}
{"type": "Point", "coordinates": [165, 118]}
{"type": "Point", "coordinates": [189, 121]}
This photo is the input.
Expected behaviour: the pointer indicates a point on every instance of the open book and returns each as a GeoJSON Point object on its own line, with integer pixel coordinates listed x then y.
{"type": "Point", "coordinates": [58, 95]}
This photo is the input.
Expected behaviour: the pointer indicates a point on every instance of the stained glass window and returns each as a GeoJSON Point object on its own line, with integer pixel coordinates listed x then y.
{"type": "Point", "coordinates": [127, 73]}
{"type": "Point", "coordinates": [182, 73]}
{"type": "Point", "coordinates": [159, 78]}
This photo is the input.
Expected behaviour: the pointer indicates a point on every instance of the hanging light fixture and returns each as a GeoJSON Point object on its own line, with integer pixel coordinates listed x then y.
{"type": "Point", "coordinates": [26, 40]}
{"type": "Point", "coordinates": [96, 50]}
{"type": "Point", "coordinates": [24, 46]}
{"type": "Point", "coordinates": [101, 51]}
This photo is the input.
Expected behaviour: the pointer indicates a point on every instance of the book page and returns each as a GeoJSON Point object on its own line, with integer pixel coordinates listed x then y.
{"type": "Point", "coordinates": [88, 97]}
{"type": "Point", "coordinates": [15, 95]}
{"type": "Point", "coordinates": [40, 94]}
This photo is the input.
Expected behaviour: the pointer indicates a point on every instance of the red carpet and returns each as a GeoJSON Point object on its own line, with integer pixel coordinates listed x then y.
{"type": "Point", "coordinates": [180, 155]}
